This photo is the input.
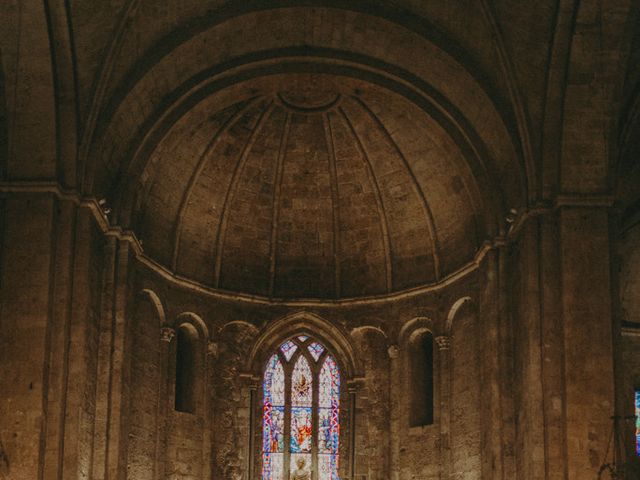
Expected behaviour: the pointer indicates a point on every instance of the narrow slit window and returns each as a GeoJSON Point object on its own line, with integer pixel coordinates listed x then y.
{"type": "Point", "coordinates": [421, 377]}
{"type": "Point", "coordinates": [185, 371]}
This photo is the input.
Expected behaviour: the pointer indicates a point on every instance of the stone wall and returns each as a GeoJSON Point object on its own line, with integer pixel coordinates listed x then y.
{"type": "Point", "coordinates": [51, 292]}
{"type": "Point", "coordinates": [385, 444]}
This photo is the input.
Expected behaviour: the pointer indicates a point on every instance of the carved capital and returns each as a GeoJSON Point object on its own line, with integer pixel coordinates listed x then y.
{"type": "Point", "coordinates": [167, 334]}
{"type": "Point", "coordinates": [393, 351]}
{"type": "Point", "coordinates": [212, 349]}
{"type": "Point", "coordinates": [443, 342]}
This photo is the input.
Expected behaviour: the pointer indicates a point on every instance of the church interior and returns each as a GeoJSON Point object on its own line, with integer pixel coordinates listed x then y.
{"type": "Point", "coordinates": [319, 240]}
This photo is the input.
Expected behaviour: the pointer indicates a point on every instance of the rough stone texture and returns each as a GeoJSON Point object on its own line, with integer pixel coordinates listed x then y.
{"type": "Point", "coordinates": [465, 399]}
{"type": "Point", "coordinates": [171, 163]}
{"type": "Point", "coordinates": [629, 279]}
{"type": "Point", "coordinates": [145, 360]}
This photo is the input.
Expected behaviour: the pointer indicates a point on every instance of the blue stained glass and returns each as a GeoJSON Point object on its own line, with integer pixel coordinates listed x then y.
{"type": "Point", "coordinates": [304, 413]}
{"type": "Point", "coordinates": [273, 466]}
{"type": "Point", "coordinates": [638, 422]}
{"type": "Point", "coordinates": [288, 349]}
{"type": "Point", "coordinates": [301, 430]}
{"type": "Point", "coordinates": [315, 349]}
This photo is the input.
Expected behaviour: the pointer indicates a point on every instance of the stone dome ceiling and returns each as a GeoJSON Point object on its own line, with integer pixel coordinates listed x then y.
{"type": "Point", "coordinates": [308, 186]}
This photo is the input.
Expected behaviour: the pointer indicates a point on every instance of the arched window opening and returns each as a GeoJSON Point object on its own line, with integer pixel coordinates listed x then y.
{"type": "Point", "coordinates": [421, 377]}
{"type": "Point", "coordinates": [301, 411]}
{"type": "Point", "coordinates": [185, 370]}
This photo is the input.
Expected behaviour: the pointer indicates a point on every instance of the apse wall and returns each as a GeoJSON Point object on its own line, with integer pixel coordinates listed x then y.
{"type": "Point", "coordinates": [221, 437]}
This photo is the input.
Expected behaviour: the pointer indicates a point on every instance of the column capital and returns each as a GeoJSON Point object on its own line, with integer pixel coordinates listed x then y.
{"type": "Point", "coordinates": [167, 334]}
{"type": "Point", "coordinates": [393, 351]}
{"type": "Point", "coordinates": [212, 349]}
{"type": "Point", "coordinates": [443, 342]}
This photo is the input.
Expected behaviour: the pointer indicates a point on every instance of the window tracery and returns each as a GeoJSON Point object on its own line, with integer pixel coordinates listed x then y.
{"type": "Point", "coordinates": [301, 410]}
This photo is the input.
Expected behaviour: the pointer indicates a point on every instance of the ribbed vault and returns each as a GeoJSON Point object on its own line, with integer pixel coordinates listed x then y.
{"type": "Point", "coordinates": [308, 186]}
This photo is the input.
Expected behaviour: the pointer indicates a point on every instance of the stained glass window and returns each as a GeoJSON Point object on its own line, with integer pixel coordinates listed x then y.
{"type": "Point", "coordinates": [288, 348]}
{"type": "Point", "coordinates": [316, 350]}
{"type": "Point", "coordinates": [273, 421]}
{"type": "Point", "coordinates": [638, 422]}
{"type": "Point", "coordinates": [310, 403]}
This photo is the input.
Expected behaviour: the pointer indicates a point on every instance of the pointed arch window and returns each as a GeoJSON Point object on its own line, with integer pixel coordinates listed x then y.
{"type": "Point", "coordinates": [301, 410]}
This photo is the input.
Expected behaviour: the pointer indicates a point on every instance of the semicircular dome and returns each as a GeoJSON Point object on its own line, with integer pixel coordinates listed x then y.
{"type": "Point", "coordinates": [308, 186]}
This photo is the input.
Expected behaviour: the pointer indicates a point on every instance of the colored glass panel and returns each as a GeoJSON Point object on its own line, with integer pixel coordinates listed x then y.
{"type": "Point", "coordinates": [329, 383]}
{"type": "Point", "coordinates": [288, 349]}
{"type": "Point", "coordinates": [328, 467]}
{"type": "Point", "coordinates": [638, 423]}
{"type": "Point", "coordinates": [273, 421]}
{"type": "Point", "coordinates": [273, 466]}
{"type": "Point", "coordinates": [329, 420]}
{"type": "Point", "coordinates": [303, 412]}
{"type": "Point", "coordinates": [273, 437]}
{"type": "Point", "coordinates": [315, 349]}
{"type": "Point", "coordinates": [301, 429]}
{"type": "Point", "coordinates": [301, 382]}
{"type": "Point", "coordinates": [274, 382]}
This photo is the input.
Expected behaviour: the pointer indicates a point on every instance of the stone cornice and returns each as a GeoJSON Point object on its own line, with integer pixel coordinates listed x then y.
{"type": "Point", "coordinates": [101, 217]}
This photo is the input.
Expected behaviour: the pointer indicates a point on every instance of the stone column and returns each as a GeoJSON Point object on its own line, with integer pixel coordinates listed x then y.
{"type": "Point", "coordinates": [167, 334]}
{"type": "Point", "coordinates": [352, 392]}
{"type": "Point", "coordinates": [489, 313]}
{"type": "Point", "coordinates": [443, 342]}
{"type": "Point", "coordinates": [588, 349]}
{"type": "Point", "coordinates": [207, 408]}
{"type": "Point", "coordinates": [394, 412]}
{"type": "Point", "coordinates": [255, 428]}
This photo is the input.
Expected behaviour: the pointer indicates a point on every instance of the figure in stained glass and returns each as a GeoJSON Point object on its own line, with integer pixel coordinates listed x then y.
{"type": "Point", "coordinates": [301, 430]}
{"type": "Point", "coordinates": [313, 431]}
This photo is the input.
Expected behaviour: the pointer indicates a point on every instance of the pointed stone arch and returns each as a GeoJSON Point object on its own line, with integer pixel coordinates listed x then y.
{"type": "Point", "coordinates": [310, 324]}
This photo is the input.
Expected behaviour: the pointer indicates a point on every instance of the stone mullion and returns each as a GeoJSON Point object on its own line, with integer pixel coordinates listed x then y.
{"type": "Point", "coordinates": [288, 368]}
{"type": "Point", "coordinates": [315, 413]}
